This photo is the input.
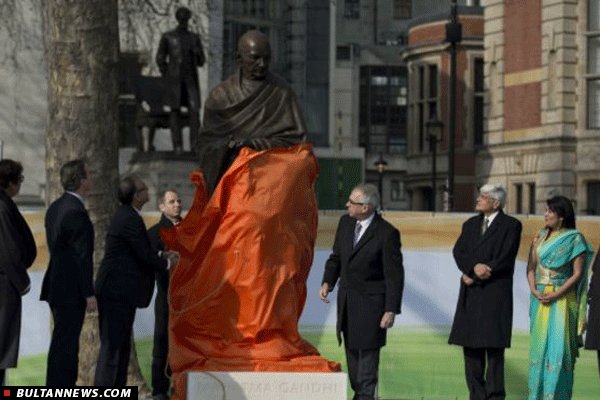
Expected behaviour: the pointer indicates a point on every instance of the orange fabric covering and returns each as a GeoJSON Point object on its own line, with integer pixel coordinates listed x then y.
{"type": "Point", "coordinates": [240, 287]}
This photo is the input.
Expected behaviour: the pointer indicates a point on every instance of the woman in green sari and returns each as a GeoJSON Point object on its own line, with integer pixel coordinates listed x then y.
{"type": "Point", "coordinates": [557, 274]}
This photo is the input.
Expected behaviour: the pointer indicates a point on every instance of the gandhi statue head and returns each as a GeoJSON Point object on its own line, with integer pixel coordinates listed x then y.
{"type": "Point", "coordinates": [183, 15]}
{"type": "Point", "coordinates": [254, 55]}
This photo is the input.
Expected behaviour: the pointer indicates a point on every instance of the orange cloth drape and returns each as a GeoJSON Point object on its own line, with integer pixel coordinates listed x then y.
{"type": "Point", "coordinates": [239, 290]}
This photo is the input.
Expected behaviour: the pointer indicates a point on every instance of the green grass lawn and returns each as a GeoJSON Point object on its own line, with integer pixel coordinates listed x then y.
{"type": "Point", "coordinates": [414, 366]}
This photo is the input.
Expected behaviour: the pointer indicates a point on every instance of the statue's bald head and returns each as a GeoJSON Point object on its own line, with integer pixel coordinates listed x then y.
{"type": "Point", "coordinates": [254, 55]}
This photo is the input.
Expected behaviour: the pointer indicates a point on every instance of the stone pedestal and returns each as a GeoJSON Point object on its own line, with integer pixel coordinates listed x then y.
{"type": "Point", "coordinates": [162, 170]}
{"type": "Point", "coordinates": [266, 386]}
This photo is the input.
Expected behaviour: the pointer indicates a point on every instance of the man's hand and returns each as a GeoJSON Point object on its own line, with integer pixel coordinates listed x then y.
{"type": "Point", "coordinates": [172, 256]}
{"type": "Point", "coordinates": [466, 280]}
{"type": "Point", "coordinates": [324, 292]}
{"type": "Point", "coordinates": [91, 304]}
{"type": "Point", "coordinates": [387, 321]}
{"type": "Point", "coordinates": [482, 271]}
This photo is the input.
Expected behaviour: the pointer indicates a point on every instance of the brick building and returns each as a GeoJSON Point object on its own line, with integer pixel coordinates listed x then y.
{"type": "Point", "coordinates": [428, 62]}
{"type": "Point", "coordinates": [528, 108]}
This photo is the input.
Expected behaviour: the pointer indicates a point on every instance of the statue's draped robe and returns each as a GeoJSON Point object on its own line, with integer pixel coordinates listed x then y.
{"type": "Point", "coordinates": [265, 114]}
{"type": "Point", "coordinates": [240, 287]}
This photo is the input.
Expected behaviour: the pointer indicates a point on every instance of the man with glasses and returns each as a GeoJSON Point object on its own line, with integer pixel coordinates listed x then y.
{"type": "Point", "coordinates": [485, 253]}
{"type": "Point", "coordinates": [367, 261]}
{"type": "Point", "coordinates": [68, 285]}
{"type": "Point", "coordinates": [125, 281]}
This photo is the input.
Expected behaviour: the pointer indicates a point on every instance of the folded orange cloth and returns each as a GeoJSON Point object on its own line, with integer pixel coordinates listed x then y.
{"type": "Point", "coordinates": [240, 287]}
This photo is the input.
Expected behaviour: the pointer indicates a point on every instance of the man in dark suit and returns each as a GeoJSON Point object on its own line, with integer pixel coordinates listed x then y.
{"type": "Point", "coordinates": [68, 283]}
{"type": "Point", "coordinates": [366, 259]}
{"type": "Point", "coordinates": [170, 207]}
{"type": "Point", "coordinates": [485, 253]}
{"type": "Point", "coordinates": [17, 253]}
{"type": "Point", "coordinates": [125, 281]}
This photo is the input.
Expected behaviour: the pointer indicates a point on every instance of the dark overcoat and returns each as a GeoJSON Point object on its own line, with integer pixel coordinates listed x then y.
{"type": "Point", "coordinates": [70, 237]}
{"type": "Point", "coordinates": [127, 270]}
{"type": "Point", "coordinates": [371, 280]}
{"type": "Point", "coordinates": [162, 277]}
{"type": "Point", "coordinates": [592, 338]}
{"type": "Point", "coordinates": [484, 311]}
{"type": "Point", "coordinates": [178, 56]}
{"type": "Point", "coordinates": [17, 252]}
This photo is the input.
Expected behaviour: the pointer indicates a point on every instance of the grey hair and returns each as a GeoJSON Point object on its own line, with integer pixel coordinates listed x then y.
{"type": "Point", "coordinates": [496, 192]}
{"type": "Point", "coordinates": [370, 194]}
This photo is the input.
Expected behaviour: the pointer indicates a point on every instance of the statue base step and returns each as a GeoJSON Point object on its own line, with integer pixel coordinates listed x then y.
{"type": "Point", "coordinates": [266, 385]}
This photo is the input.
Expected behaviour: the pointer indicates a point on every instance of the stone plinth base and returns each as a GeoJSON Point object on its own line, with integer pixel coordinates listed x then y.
{"type": "Point", "coordinates": [266, 386]}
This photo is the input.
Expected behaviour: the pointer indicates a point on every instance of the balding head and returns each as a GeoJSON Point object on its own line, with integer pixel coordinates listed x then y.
{"type": "Point", "coordinates": [254, 55]}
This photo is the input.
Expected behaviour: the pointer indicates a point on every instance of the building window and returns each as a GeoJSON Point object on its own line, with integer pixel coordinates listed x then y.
{"type": "Point", "coordinates": [593, 198]}
{"type": "Point", "coordinates": [531, 198]}
{"type": "Point", "coordinates": [397, 190]}
{"type": "Point", "coordinates": [518, 198]}
{"type": "Point", "coordinates": [250, 8]}
{"type": "Point", "coordinates": [343, 53]}
{"type": "Point", "coordinates": [383, 113]}
{"type": "Point", "coordinates": [478, 93]}
{"type": "Point", "coordinates": [425, 102]}
{"type": "Point", "coordinates": [593, 65]}
{"type": "Point", "coordinates": [352, 9]}
{"type": "Point", "coordinates": [402, 9]}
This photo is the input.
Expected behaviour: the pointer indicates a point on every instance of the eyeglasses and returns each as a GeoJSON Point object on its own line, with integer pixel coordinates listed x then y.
{"type": "Point", "coordinates": [356, 203]}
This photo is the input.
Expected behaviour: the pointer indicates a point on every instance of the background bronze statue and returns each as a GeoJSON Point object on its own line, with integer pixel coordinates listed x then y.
{"type": "Point", "coordinates": [253, 108]}
{"type": "Point", "coordinates": [178, 57]}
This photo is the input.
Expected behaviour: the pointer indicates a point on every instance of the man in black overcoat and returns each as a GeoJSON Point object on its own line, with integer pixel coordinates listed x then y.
{"type": "Point", "coordinates": [179, 55]}
{"type": "Point", "coordinates": [367, 260]}
{"type": "Point", "coordinates": [485, 253]}
{"type": "Point", "coordinates": [170, 207]}
{"type": "Point", "coordinates": [17, 252]}
{"type": "Point", "coordinates": [68, 284]}
{"type": "Point", "coordinates": [125, 281]}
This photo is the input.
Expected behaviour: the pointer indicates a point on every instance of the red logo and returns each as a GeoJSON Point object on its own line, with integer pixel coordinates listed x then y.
{"type": "Point", "coordinates": [6, 392]}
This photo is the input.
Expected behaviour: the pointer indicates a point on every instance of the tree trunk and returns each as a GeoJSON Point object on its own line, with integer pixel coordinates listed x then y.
{"type": "Point", "coordinates": [83, 54]}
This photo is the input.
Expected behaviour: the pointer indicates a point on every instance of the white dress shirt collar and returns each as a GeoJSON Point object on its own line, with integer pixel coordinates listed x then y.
{"type": "Point", "coordinates": [80, 197]}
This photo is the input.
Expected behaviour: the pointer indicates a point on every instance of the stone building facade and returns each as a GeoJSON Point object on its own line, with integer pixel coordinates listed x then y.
{"type": "Point", "coordinates": [543, 102]}
{"type": "Point", "coordinates": [428, 62]}
{"type": "Point", "coordinates": [528, 112]}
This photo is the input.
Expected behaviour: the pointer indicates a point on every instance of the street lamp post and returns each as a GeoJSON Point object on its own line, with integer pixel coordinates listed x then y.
{"type": "Point", "coordinates": [434, 132]}
{"type": "Point", "coordinates": [453, 37]}
{"type": "Point", "coordinates": [381, 164]}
